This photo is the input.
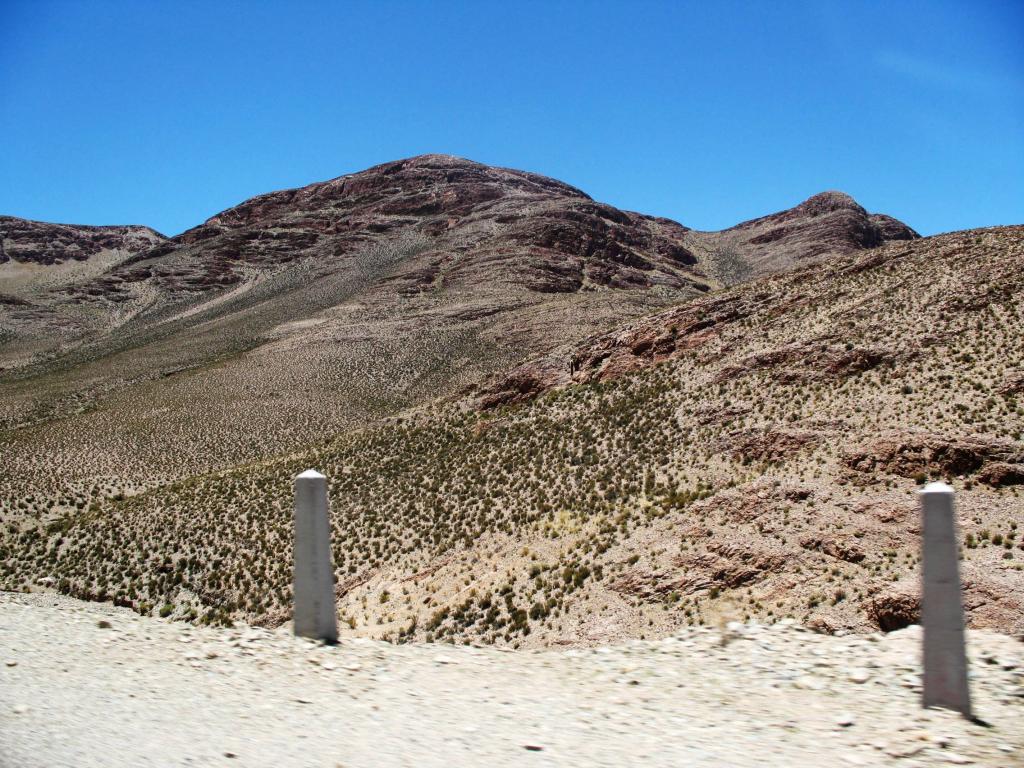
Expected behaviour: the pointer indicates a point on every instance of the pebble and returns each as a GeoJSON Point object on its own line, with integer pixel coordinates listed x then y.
{"type": "Point", "coordinates": [956, 758]}
{"type": "Point", "coordinates": [11, 663]}
{"type": "Point", "coordinates": [808, 683]}
{"type": "Point", "coordinates": [859, 675]}
{"type": "Point", "coordinates": [904, 751]}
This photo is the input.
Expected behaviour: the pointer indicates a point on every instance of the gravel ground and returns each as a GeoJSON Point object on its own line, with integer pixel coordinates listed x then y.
{"type": "Point", "coordinates": [93, 685]}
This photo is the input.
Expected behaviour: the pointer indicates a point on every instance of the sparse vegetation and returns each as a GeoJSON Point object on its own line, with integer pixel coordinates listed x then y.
{"type": "Point", "coordinates": [737, 473]}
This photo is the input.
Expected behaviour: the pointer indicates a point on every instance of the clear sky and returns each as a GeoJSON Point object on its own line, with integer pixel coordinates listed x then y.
{"type": "Point", "coordinates": [164, 113]}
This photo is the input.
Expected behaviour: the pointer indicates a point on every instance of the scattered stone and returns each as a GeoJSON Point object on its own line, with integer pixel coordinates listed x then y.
{"type": "Point", "coordinates": [859, 675]}
{"type": "Point", "coordinates": [808, 683]}
{"type": "Point", "coordinates": [901, 751]}
{"type": "Point", "coordinates": [726, 696]}
{"type": "Point", "coordinates": [104, 624]}
{"type": "Point", "coordinates": [956, 758]}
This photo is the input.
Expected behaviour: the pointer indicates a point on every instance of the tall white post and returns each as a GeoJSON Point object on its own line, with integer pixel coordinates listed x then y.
{"type": "Point", "coordinates": [942, 611]}
{"type": "Point", "coordinates": [315, 612]}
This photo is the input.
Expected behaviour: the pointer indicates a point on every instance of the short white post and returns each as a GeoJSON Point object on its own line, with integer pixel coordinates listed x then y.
{"type": "Point", "coordinates": [942, 611]}
{"type": "Point", "coordinates": [315, 612]}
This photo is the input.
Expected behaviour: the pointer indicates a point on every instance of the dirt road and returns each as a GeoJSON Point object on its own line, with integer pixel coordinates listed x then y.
{"type": "Point", "coordinates": [92, 685]}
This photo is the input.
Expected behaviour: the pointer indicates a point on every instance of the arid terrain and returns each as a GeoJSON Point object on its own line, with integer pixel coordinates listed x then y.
{"type": "Point", "coordinates": [91, 684]}
{"type": "Point", "coordinates": [545, 421]}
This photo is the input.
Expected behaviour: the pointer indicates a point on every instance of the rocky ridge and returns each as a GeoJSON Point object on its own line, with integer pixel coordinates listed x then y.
{"type": "Point", "coordinates": [38, 242]}
{"type": "Point", "coordinates": [829, 223]}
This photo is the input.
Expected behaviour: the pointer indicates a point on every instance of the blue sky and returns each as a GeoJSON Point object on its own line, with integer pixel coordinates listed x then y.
{"type": "Point", "coordinates": [164, 113]}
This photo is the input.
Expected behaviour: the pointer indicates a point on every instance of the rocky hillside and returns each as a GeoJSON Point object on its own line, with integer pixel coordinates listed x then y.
{"type": "Point", "coordinates": [302, 313]}
{"type": "Point", "coordinates": [278, 323]}
{"type": "Point", "coordinates": [826, 224]}
{"type": "Point", "coordinates": [750, 454]}
{"type": "Point", "coordinates": [420, 224]}
{"type": "Point", "coordinates": [41, 264]}
{"type": "Point", "coordinates": [38, 242]}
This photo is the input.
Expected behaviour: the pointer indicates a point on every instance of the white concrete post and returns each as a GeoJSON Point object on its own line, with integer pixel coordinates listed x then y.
{"type": "Point", "coordinates": [315, 612]}
{"type": "Point", "coordinates": [942, 611]}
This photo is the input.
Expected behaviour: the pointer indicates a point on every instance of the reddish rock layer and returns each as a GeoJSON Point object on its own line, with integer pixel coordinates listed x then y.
{"type": "Point", "coordinates": [38, 242]}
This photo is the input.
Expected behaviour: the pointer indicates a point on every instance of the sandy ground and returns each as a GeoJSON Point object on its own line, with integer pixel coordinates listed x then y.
{"type": "Point", "coordinates": [143, 691]}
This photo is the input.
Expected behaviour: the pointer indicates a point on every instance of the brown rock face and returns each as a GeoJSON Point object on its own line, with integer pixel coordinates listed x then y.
{"type": "Point", "coordinates": [838, 547]}
{"type": "Point", "coordinates": [829, 223]}
{"type": "Point", "coordinates": [724, 564]}
{"type": "Point", "coordinates": [465, 220]}
{"type": "Point", "coordinates": [39, 242]}
{"type": "Point", "coordinates": [908, 455]}
{"type": "Point", "coordinates": [895, 610]}
{"type": "Point", "coordinates": [998, 474]}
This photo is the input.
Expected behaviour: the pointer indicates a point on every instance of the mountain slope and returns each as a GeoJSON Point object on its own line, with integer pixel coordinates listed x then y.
{"type": "Point", "coordinates": [753, 453]}
{"type": "Point", "coordinates": [38, 261]}
{"type": "Point", "coordinates": [827, 224]}
{"type": "Point", "coordinates": [300, 313]}
{"type": "Point", "coordinates": [39, 242]}
{"type": "Point", "coordinates": [442, 219]}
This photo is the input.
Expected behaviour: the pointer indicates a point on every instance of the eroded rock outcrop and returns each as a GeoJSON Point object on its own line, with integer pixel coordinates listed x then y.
{"type": "Point", "coordinates": [39, 242]}
{"type": "Point", "coordinates": [827, 223]}
{"type": "Point", "coordinates": [925, 454]}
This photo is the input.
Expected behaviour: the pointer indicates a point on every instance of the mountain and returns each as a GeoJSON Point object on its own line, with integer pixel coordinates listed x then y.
{"type": "Point", "coordinates": [827, 224]}
{"type": "Point", "coordinates": [301, 313]}
{"type": "Point", "coordinates": [297, 314]}
{"type": "Point", "coordinates": [546, 420]}
{"type": "Point", "coordinates": [439, 219]}
{"type": "Point", "coordinates": [39, 260]}
{"type": "Point", "coordinates": [37, 242]}
{"type": "Point", "coordinates": [420, 224]}
{"type": "Point", "coordinates": [753, 452]}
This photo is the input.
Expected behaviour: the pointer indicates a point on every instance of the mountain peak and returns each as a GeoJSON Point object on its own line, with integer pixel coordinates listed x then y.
{"type": "Point", "coordinates": [825, 224]}
{"type": "Point", "coordinates": [829, 201]}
